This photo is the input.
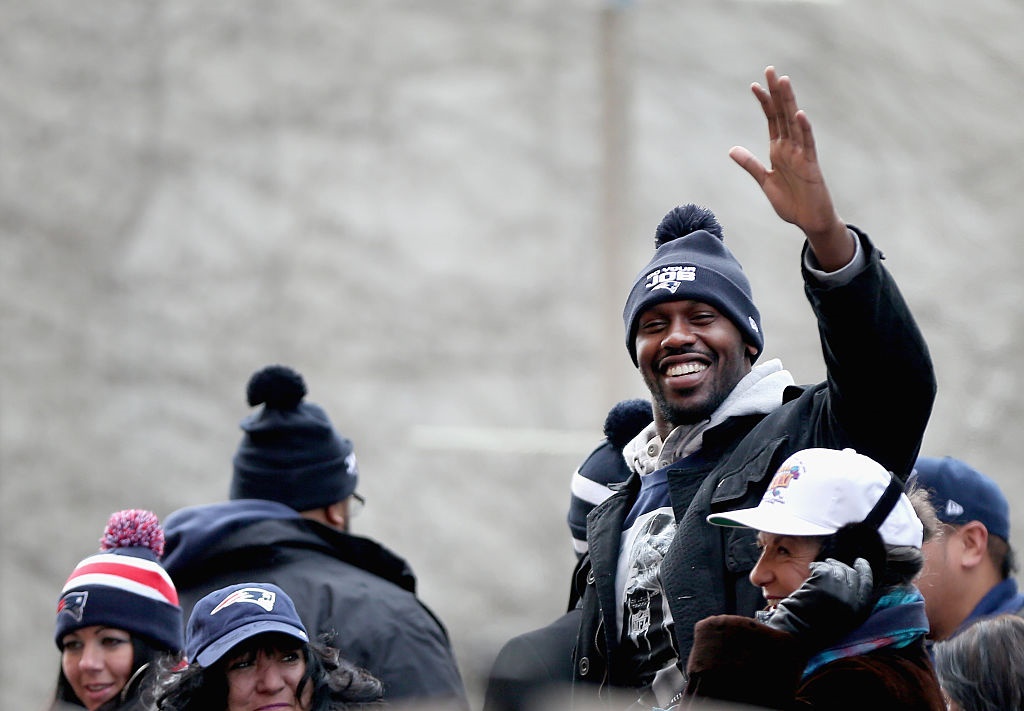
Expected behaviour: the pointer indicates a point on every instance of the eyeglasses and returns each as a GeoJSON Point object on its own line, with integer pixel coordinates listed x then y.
{"type": "Point", "coordinates": [357, 503]}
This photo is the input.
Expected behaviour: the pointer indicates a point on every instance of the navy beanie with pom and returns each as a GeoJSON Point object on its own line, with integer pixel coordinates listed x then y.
{"type": "Point", "coordinates": [290, 452]}
{"type": "Point", "coordinates": [605, 465]}
{"type": "Point", "coordinates": [691, 262]}
{"type": "Point", "coordinates": [124, 586]}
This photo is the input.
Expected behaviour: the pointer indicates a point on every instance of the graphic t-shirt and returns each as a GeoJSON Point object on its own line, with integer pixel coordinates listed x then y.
{"type": "Point", "coordinates": [644, 618]}
{"type": "Point", "coordinates": [644, 615]}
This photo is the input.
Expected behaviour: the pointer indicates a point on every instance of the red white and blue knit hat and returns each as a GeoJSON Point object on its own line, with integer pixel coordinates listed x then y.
{"type": "Point", "coordinates": [124, 585]}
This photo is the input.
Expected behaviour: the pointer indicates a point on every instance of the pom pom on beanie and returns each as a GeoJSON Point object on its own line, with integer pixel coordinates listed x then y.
{"type": "Point", "coordinates": [290, 452]}
{"type": "Point", "coordinates": [277, 386]}
{"type": "Point", "coordinates": [684, 219]}
{"type": "Point", "coordinates": [133, 528]}
{"type": "Point", "coordinates": [605, 465]}
{"type": "Point", "coordinates": [691, 262]}
{"type": "Point", "coordinates": [124, 586]}
{"type": "Point", "coordinates": [625, 420]}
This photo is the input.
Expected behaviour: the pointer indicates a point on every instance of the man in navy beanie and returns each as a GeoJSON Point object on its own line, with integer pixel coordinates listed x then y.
{"type": "Point", "coordinates": [968, 568]}
{"type": "Point", "coordinates": [293, 494]}
{"type": "Point", "coordinates": [724, 420]}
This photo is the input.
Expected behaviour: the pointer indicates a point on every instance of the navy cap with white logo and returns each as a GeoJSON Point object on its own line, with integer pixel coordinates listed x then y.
{"type": "Point", "coordinates": [961, 494]}
{"type": "Point", "coordinates": [231, 615]}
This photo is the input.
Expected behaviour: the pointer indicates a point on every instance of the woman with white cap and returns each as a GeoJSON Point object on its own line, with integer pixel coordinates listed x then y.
{"type": "Point", "coordinates": [249, 650]}
{"type": "Point", "coordinates": [844, 628]}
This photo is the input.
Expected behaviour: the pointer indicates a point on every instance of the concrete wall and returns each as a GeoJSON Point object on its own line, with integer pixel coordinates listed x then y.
{"type": "Point", "coordinates": [433, 211]}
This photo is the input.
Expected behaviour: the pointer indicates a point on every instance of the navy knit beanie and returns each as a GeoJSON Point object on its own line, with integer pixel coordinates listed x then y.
{"type": "Point", "coordinates": [124, 586]}
{"type": "Point", "coordinates": [605, 465]}
{"type": "Point", "coordinates": [290, 452]}
{"type": "Point", "coordinates": [691, 262]}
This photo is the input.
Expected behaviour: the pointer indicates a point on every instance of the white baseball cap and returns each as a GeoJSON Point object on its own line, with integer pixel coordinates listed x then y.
{"type": "Point", "coordinates": [818, 491]}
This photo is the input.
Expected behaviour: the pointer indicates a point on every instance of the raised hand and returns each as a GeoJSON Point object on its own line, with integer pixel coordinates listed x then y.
{"type": "Point", "coordinates": [794, 184]}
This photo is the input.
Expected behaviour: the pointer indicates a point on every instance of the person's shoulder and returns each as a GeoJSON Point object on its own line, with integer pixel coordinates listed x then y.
{"type": "Point", "coordinates": [346, 567]}
{"type": "Point", "coordinates": [888, 674]}
{"type": "Point", "coordinates": [225, 514]}
{"type": "Point", "coordinates": [195, 534]}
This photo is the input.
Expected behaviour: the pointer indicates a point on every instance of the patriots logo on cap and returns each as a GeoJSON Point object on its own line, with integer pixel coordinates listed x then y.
{"type": "Point", "coordinates": [670, 278]}
{"type": "Point", "coordinates": [256, 596]}
{"type": "Point", "coordinates": [953, 509]}
{"type": "Point", "coordinates": [74, 604]}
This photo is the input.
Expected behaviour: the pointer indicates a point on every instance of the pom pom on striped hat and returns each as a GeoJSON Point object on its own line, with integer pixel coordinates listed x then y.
{"type": "Point", "coordinates": [124, 586]}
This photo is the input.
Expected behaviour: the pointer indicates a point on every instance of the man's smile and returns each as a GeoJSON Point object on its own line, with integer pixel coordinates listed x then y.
{"type": "Point", "coordinates": [677, 369]}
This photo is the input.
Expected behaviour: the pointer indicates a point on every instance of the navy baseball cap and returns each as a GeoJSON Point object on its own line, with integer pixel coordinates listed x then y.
{"type": "Point", "coordinates": [961, 494]}
{"type": "Point", "coordinates": [231, 615]}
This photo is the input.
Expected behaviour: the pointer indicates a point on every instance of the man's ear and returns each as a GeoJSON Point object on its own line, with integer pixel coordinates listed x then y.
{"type": "Point", "coordinates": [973, 543]}
{"type": "Point", "coordinates": [336, 514]}
{"type": "Point", "coordinates": [751, 352]}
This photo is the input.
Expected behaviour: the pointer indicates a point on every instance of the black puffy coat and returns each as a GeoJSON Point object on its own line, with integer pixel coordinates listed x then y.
{"type": "Point", "coordinates": [348, 587]}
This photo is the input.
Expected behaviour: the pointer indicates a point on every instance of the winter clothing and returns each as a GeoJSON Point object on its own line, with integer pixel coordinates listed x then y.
{"type": "Point", "coordinates": [1002, 599]}
{"type": "Point", "coordinates": [124, 585]}
{"type": "Point", "coordinates": [345, 586]}
{"type": "Point", "coordinates": [692, 262]}
{"type": "Point", "coordinates": [534, 670]}
{"type": "Point", "coordinates": [880, 665]}
{"type": "Point", "coordinates": [605, 465]}
{"type": "Point", "coordinates": [726, 463]}
{"type": "Point", "coordinates": [290, 452]}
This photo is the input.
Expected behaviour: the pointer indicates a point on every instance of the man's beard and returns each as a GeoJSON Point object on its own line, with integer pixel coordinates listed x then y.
{"type": "Point", "coordinates": [692, 413]}
{"type": "Point", "coordinates": [677, 416]}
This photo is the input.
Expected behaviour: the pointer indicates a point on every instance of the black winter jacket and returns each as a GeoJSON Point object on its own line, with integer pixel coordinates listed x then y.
{"type": "Point", "coordinates": [876, 399]}
{"type": "Point", "coordinates": [348, 587]}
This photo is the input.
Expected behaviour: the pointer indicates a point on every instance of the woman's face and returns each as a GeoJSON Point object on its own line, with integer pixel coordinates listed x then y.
{"type": "Point", "coordinates": [97, 662]}
{"type": "Point", "coordinates": [784, 565]}
{"type": "Point", "coordinates": [263, 679]}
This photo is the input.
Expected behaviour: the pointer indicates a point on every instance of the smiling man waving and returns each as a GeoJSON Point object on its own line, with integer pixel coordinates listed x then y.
{"type": "Point", "coordinates": [724, 422]}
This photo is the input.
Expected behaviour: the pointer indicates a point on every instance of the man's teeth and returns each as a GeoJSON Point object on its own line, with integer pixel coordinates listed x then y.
{"type": "Point", "coordinates": [685, 369]}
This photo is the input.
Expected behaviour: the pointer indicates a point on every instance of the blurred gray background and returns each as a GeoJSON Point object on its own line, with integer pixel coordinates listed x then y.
{"type": "Point", "coordinates": [433, 210]}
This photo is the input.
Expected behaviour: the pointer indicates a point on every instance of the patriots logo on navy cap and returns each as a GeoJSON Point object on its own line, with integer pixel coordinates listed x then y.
{"type": "Point", "coordinates": [74, 604]}
{"type": "Point", "coordinates": [256, 596]}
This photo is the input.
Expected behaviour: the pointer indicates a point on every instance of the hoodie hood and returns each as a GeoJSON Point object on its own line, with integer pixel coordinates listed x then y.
{"type": "Point", "coordinates": [227, 535]}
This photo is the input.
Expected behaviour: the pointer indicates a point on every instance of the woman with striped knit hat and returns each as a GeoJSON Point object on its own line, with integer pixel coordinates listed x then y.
{"type": "Point", "coordinates": [117, 617]}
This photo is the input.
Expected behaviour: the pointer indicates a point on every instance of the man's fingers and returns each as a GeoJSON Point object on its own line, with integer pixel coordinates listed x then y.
{"type": "Point", "coordinates": [808, 135]}
{"type": "Point", "coordinates": [746, 160]}
{"type": "Point", "coordinates": [785, 100]}
{"type": "Point", "coordinates": [768, 107]}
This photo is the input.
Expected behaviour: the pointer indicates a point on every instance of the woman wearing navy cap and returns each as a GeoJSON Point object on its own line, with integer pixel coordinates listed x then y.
{"type": "Point", "coordinates": [117, 615]}
{"type": "Point", "coordinates": [249, 650]}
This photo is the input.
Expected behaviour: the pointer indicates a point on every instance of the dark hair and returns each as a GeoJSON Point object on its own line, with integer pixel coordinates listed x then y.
{"type": "Point", "coordinates": [903, 563]}
{"type": "Point", "coordinates": [1000, 552]}
{"type": "Point", "coordinates": [336, 683]}
{"type": "Point", "coordinates": [982, 668]}
{"type": "Point", "coordinates": [146, 658]}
